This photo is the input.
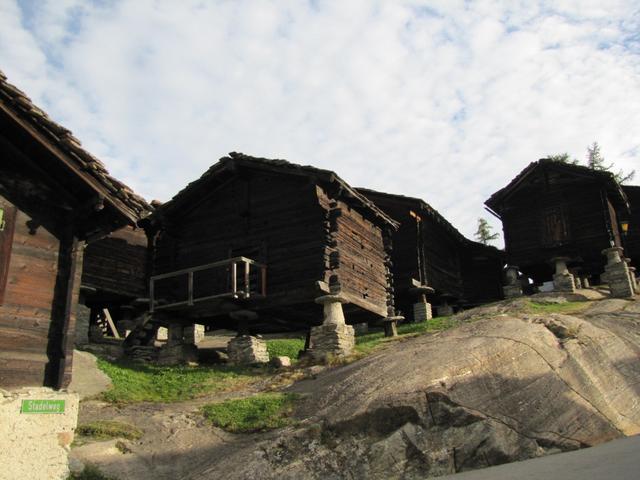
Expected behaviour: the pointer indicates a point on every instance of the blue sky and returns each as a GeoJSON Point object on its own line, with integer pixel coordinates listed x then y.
{"type": "Point", "coordinates": [443, 100]}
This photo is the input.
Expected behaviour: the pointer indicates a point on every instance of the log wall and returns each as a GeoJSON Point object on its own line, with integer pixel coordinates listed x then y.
{"type": "Point", "coordinates": [356, 257]}
{"type": "Point", "coordinates": [33, 344]}
{"type": "Point", "coordinates": [273, 219]}
{"type": "Point", "coordinates": [116, 265]}
{"type": "Point", "coordinates": [557, 216]}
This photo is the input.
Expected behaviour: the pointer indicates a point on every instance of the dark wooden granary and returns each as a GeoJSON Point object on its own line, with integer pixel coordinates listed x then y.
{"type": "Point", "coordinates": [54, 197]}
{"type": "Point", "coordinates": [115, 276]}
{"type": "Point", "coordinates": [429, 251]}
{"type": "Point", "coordinates": [631, 241]}
{"type": "Point", "coordinates": [269, 236]}
{"type": "Point", "coordinates": [558, 210]}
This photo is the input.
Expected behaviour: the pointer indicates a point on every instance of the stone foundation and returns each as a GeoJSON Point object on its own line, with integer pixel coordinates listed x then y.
{"type": "Point", "coordinates": [617, 274]}
{"type": "Point", "coordinates": [163, 334]}
{"type": "Point", "coordinates": [445, 310]}
{"type": "Point", "coordinates": [331, 340]}
{"type": "Point", "coordinates": [422, 312]}
{"type": "Point", "coordinates": [247, 350]}
{"type": "Point", "coordinates": [177, 354]}
{"type": "Point", "coordinates": [513, 288]}
{"type": "Point", "coordinates": [512, 291]}
{"type": "Point", "coordinates": [194, 334]}
{"type": "Point", "coordinates": [563, 281]}
{"type": "Point", "coordinates": [35, 446]}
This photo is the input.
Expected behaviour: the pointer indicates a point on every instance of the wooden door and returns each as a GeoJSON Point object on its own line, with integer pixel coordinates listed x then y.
{"type": "Point", "coordinates": [7, 225]}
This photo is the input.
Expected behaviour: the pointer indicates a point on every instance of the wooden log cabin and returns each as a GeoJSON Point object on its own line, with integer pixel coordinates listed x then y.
{"type": "Point", "coordinates": [631, 241]}
{"type": "Point", "coordinates": [54, 197]}
{"type": "Point", "coordinates": [559, 210]}
{"type": "Point", "coordinates": [429, 251]}
{"type": "Point", "coordinates": [269, 236]}
{"type": "Point", "coordinates": [115, 276]}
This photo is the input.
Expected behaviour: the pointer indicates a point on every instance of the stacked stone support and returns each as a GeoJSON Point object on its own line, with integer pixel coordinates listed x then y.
{"type": "Point", "coordinates": [194, 334]}
{"type": "Point", "coordinates": [563, 281]}
{"type": "Point", "coordinates": [422, 310]}
{"type": "Point", "coordinates": [445, 310]}
{"type": "Point", "coordinates": [177, 351]}
{"type": "Point", "coordinates": [617, 274]}
{"type": "Point", "coordinates": [247, 350]}
{"type": "Point", "coordinates": [513, 287]}
{"type": "Point", "coordinates": [334, 338]}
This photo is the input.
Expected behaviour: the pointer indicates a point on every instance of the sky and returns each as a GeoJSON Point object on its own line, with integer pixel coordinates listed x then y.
{"type": "Point", "coordinates": [443, 100]}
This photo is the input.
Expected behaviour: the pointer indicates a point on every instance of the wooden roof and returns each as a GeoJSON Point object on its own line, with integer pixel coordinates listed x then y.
{"type": "Point", "coordinates": [236, 160]}
{"type": "Point", "coordinates": [426, 210]}
{"type": "Point", "coordinates": [69, 151]}
{"type": "Point", "coordinates": [605, 177]}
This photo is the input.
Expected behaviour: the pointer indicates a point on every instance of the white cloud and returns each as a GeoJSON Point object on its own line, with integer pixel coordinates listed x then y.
{"type": "Point", "coordinates": [443, 100]}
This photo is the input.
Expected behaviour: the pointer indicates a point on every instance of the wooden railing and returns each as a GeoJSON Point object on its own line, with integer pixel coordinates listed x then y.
{"type": "Point", "coordinates": [238, 273]}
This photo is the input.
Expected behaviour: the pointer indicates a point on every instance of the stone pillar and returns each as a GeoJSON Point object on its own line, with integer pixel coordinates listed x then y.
{"type": "Point", "coordinates": [83, 320]}
{"type": "Point", "coordinates": [177, 351]}
{"type": "Point", "coordinates": [563, 281]}
{"type": "Point", "coordinates": [162, 335]}
{"type": "Point", "coordinates": [391, 326]}
{"type": "Point", "coordinates": [513, 288]}
{"type": "Point", "coordinates": [422, 310]}
{"type": "Point", "coordinates": [617, 274]}
{"type": "Point", "coordinates": [634, 280]}
{"type": "Point", "coordinates": [247, 350]}
{"type": "Point", "coordinates": [194, 334]}
{"type": "Point", "coordinates": [445, 310]}
{"type": "Point", "coordinates": [577, 280]}
{"type": "Point", "coordinates": [585, 281]}
{"type": "Point", "coordinates": [175, 335]}
{"type": "Point", "coordinates": [334, 338]}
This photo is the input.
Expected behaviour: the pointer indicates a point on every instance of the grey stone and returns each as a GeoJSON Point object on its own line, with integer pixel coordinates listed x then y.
{"type": "Point", "coordinates": [513, 287]}
{"type": "Point", "coordinates": [247, 350]}
{"type": "Point", "coordinates": [177, 354]}
{"type": "Point", "coordinates": [331, 340]}
{"type": "Point", "coordinates": [194, 333]}
{"type": "Point", "coordinates": [281, 362]}
{"type": "Point", "coordinates": [361, 328]}
{"type": "Point", "coordinates": [445, 310]}
{"type": "Point", "coordinates": [617, 274]}
{"type": "Point", "coordinates": [422, 312]}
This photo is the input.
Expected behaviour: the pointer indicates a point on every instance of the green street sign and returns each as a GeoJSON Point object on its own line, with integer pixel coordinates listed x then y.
{"type": "Point", "coordinates": [42, 406]}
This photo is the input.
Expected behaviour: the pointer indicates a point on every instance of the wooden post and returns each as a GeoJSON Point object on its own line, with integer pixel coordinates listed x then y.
{"type": "Point", "coordinates": [112, 325]}
{"type": "Point", "coordinates": [247, 287]}
{"type": "Point", "coordinates": [190, 288]}
{"type": "Point", "coordinates": [264, 280]}
{"type": "Point", "coordinates": [234, 279]}
{"type": "Point", "coordinates": [151, 293]}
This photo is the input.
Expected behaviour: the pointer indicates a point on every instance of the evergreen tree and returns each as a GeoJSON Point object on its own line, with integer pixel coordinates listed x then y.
{"type": "Point", "coordinates": [483, 233]}
{"type": "Point", "coordinates": [596, 161]}
{"type": "Point", "coordinates": [563, 157]}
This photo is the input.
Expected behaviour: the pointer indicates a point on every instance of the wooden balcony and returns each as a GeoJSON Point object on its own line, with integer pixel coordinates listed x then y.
{"type": "Point", "coordinates": [233, 278]}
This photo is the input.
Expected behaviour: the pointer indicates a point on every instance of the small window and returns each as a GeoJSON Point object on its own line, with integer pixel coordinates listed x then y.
{"type": "Point", "coordinates": [554, 227]}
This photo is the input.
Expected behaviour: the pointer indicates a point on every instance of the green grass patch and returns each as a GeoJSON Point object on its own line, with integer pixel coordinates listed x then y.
{"type": "Point", "coordinates": [90, 472]}
{"type": "Point", "coordinates": [261, 412]}
{"type": "Point", "coordinates": [564, 307]}
{"type": "Point", "coordinates": [133, 382]}
{"type": "Point", "coordinates": [285, 347]}
{"type": "Point", "coordinates": [370, 341]}
{"type": "Point", "coordinates": [107, 429]}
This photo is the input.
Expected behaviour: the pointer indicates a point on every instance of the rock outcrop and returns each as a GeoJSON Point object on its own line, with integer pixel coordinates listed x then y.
{"type": "Point", "coordinates": [506, 386]}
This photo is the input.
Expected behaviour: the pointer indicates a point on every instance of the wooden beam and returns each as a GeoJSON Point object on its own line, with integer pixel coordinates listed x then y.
{"type": "Point", "coordinates": [112, 326]}
{"type": "Point", "coordinates": [62, 156]}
